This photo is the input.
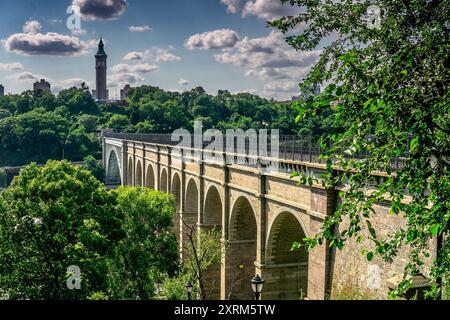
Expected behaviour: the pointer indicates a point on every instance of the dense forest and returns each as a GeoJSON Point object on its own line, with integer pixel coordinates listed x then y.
{"type": "Point", "coordinates": [36, 126]}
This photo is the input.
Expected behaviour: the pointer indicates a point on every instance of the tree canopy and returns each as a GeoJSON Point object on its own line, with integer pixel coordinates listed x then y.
{"type": "Point", "coordinates": [389, 88]}
{"type": "Point", "coordinates": [58, 216]}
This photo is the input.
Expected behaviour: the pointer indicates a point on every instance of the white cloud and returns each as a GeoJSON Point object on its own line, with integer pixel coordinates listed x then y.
{"type": "Point", "coordinates": [217, 39]}
{"type": "Point", "coordinates": [284, 86]}
{"type": "Point", "coordinates": [135, 68]}
{"type": "Point", "coordinates": [268, 9]}
{"type": "Point", "coordinates": [183, 82]}
{"type": "Point", "coordinates": [121, 79]}
{"type": "Point", "coordinates": [51, 43]}
{"type": "Point", "coordinates": [78, 32]}
{"type": "Point", "coordinates": [233, 6]}
{"type": "Point", "coordinates": [15, 66]}
{"type": "Point", "coordinates": [25, 77]}
{"type": "Point", "coordinates": [164, 55]}
{"type": "Point", "coordinates": [269, 57]}
{"type": "Point", "coordinates": [74, 82]}
{"type": "Point", "coordinates": [143, 28]}
{"type": "Point", "coordinates": [136, 55]}
{"type": "Point", "coordinates": [100, 9]}
{"type": "Point", "coordinates": [32, 26]}
{"type": "Point", "coordinates": [122, 74]}
{"type": "Point", "coordinates": [156, 54]}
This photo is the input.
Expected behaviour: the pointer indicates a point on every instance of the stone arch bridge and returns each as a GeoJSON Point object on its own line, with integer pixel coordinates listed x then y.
{"type": "Point", "coordinates": [260, 213]}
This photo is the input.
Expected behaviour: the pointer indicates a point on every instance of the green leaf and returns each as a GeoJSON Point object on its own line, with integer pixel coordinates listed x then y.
{"type": "Point", "coordinates": [370, 256]}
{"type": "Point", "coordinates": [435, 229]}
{"type": "Point", "coordinates": [414, 144]}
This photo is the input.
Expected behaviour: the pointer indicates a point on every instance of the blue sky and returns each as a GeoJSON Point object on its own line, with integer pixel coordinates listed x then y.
{"type": "Point", "coordinates": [173, 44]}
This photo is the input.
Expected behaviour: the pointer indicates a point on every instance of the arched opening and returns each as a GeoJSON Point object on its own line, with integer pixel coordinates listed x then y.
{"type": "Point", "coordinates": [287, 271]}
{"type": "Point", "coordinates": [212, 218]}
{"type": "Point", "coordinates": [163, 182]}
{"type": "Point", "coordinates": [241, 253]}
{"type": "Point", "coordinates": [176, 191]}
{"type": "Point", "coordinates": [113, 174]}
{"type": "Point", "coordinates": [150, 177]}
{"type": "Point", "coordinates": [190, 214]}
{"type": "Point", "coordinates": [138, 177]}
{"type": "Point", "coordinates": [130, 172]}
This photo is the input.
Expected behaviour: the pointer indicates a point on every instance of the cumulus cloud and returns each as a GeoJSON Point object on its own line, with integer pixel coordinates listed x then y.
{"type": "Point", "coordinates": [269, 57]}
{"type": "Point", "coordinates": [233, 6]}
{"type": "Point", "coordinates": [32, 26]}
{"type": "Point", "coordinates": [164, 55]}
{"type": "Point", "coordinates": [272, 60]}
{"type": "Point", "coordinates": [69, 83]}
{"type": "Point", "coordinates": [122, 74]}
{"type": "Point", "coordinates": [183, 82]}
{"type": "Point", "coordinates": [121, 79]}
{"type": "Point", "coordinates": [25, 77]}
{"type": "Point", "coordinates": [78, 32]}
{"type": "Point", "coordinates": [139, 68]}
{"type": "Point", "coordinates": [53, 44]}
{"type": "Point", "coordinates": [15, 66]}
{"type": "Point", "coordinates": [100, 9]}
{"type": "Point", "coordinates": [74, 82]}
{"type": "Point", "coordinates": [143, 28]}
{"type": "Point", "coordinates": [155, 53]}
{"type": "Point", "coordinates": [136, 55]}
{"type": "Point", "coordinates": [218, 39]}
{"type": "Point", "coordinates": [268, 9]}
{"type": "Point", "coordinates": [284, 86]}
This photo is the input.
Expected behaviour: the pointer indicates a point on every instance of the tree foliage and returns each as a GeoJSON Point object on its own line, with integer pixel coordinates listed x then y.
{"type": "Point", "coordinates": [149, 248]}
{"type": "Point", "coordinates": [53, 217]}
{"type": "Point", "coordinates": [389, 87]}
{"type": "Point", "coordinates": [58, 215]}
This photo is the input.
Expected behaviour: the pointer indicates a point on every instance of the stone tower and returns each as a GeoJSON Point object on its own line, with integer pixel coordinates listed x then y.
{"type": "Point", "coordinates": [101, 92]}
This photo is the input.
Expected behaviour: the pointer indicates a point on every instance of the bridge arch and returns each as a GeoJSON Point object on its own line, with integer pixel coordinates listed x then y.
{"type": "Point", "coordinates": [113, 169]}
{"type": "Point", "coordinates": [241, 254]}
{"type": "Point", "coordinates": [213, 207]}
{"type": "Point", "coordinates": [130, 170]}
{"type": "Point", "coordinates": [212, 219]}
{"type": "Point", "coordinates": [150, 177]}
{"type": "Point", "coordinates": [138, 177]}
{"type": "Point", "coordinates": [164, 181]}
{"type": "Point", "coordinates": [176, 190]}
{"type": "Point", "coordinates": [191, 202]}
{"type": "Point", "coordinates": [286, 270]}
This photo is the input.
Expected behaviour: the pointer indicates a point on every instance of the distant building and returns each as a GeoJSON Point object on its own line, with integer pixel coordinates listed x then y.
{"type": "Point", "coordinates": [101, 91]}
{"type": "Point", "coordinates": [2, 91]}
{"type": "Point", "coordinates": [124, 92]}
{"type": "Point", "coordinates": [42, 85]}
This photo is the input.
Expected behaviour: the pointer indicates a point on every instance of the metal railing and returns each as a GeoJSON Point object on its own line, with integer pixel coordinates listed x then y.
{"type": "Point", "coordinates": [291, 149]}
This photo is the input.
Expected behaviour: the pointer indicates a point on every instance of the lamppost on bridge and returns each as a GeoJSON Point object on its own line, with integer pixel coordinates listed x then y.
{"type": "Point", "coordinates": [189, 287]}
{"type": "Point", "coordinates": [257, 286]}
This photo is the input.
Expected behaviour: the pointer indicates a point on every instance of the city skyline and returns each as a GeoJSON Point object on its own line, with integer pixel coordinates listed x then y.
{"type": "Point", "coordinates": [175, 45]}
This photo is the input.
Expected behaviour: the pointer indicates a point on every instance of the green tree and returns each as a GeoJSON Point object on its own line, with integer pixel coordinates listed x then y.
{"type": "Point", "coordinates": [119, 122]}
{"type": "Point", "coordinates": [95, 167]}
{"type": "Point", "coordinates": [390, 88]}
{"type": "Point", "coordinates": [53, 217]}
{"type": "Point", "coordinates": [149, 248]}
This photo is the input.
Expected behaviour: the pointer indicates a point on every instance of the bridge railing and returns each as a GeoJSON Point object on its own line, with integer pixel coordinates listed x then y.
{"type": "Point", "coordinates": [289, 153]}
